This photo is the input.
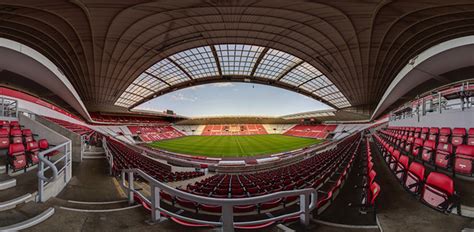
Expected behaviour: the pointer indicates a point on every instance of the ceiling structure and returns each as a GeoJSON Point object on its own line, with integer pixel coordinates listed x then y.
{"type": "Point", "coordinates": [231, 62]}
{"type": "Point", "coordinates": [359, 46]}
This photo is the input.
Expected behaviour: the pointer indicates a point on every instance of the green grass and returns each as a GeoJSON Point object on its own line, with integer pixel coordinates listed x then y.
{"type": "Point", "coordinates": [233, 146]}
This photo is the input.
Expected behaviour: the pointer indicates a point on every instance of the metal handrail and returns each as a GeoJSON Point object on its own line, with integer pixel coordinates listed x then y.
{"type": "Point", "coordinates": [48, 163]}
{"type": "Point", "coordinates": [227, 221]}
{"type": "Point", "coordinates": [42, 179]}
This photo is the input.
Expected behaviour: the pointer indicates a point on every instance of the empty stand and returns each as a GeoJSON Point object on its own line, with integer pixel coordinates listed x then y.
{"type": "Point", "coordinates": [155, 133]}
{"type": "Point", "coordinates": [314, 131]}
{"type": "Point", "coordinates": [234, 129]}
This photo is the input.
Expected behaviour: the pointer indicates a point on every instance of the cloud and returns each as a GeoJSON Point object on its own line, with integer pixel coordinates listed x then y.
{"type": "Point", "coordinates": [182, 97]}
{"type": "Point", "coordinates": [223, 84]}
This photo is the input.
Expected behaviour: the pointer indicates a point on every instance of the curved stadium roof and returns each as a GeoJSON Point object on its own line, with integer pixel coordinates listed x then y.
{"type": "Point", "coordinates": [232, 62]}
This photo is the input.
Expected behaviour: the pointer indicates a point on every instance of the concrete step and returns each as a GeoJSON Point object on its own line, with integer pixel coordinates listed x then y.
{"type": "Point", "coordinates": [25, 216]}
{"type": "Point", "coordinates": [10, 204]}
{"type": "Point", "coordinates": [92, 153]}
{"type": "Point", "coordinates": [8, 183]}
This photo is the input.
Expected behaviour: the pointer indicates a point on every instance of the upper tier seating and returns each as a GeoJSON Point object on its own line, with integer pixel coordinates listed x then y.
{"type": "Point", "coordinates": [125, 157]}
{"type": "Point", "coordinates": [155, 133]}
{"type": "Point", "coordinates": [313, 131]}
{"type": "Point", "coordinates": [76, 128]}
{"type": "Point", "coordinates": [234, 129]}
{"type": "Point", "coordinates": [126, 119]}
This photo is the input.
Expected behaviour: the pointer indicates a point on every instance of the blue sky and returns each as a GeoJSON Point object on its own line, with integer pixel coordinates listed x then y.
{"type": "Point", "coordinates": [233, 99]}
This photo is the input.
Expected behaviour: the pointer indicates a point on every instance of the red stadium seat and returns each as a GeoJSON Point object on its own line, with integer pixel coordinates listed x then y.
{"type": "Point", "coordinates": [417, 146]}
{"type": "Point", "coordinates": [394, 159]}
{"type": "Point", "coordinates": [17, 157]}
{"type": "Point", "coordinates": [16, 136]}
{"type": "Point", "coordinates": [27, 135]}
{"type": "Point", "coordinates": [402, 167]}
{"type": "Point", "coordinates": [464, 159]}
{"type": "Point", "coordinates": [4, 138]}
{"type": "Point", "coordinates": [32, 151]}
{"type": "Point", "coordinates": [44, 145]}
{"type": "Point", "coordinates": [424, 133]}
{"type": "Point", "coordinates": [470, 137]}
{"type": "Point", "coordinates": [434, 132]}
{"type": "Point", "coordinates": [428, 150]}
{"type": "Point", "coordinates": [443, 155]}
{"type": "Point", "coordinates": [438, 192]}
{"type": "Point", "coordinates": [415, 177]}
{"type": "Point", "coordinates": [444, 135]}
{"type": "Point", "coordinates": [458, 136]}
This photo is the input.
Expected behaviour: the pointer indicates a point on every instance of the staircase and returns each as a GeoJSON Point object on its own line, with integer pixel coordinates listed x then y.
{"type": "Point", "coordinates": [93, 152]}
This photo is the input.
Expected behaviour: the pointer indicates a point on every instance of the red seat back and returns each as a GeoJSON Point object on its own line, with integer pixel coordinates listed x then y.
{"type": "Point", "coordinates": [444, 134]}
{"type": "Point", "coordinates": [470, 137]}
{"type": "Point", "coordinates": [424, 133]}
{"type": "Point", "coordinates": [464, 159]}
{"type": "Point", "coordinates": [16, 149]}
{"type": "Point", "coordinates": [458, 136]}
{"type": "Point", "coordinates": [375, 191]}
{"type": "Point", "coordinates": [443, 151]}
{"type": "Point", "coordinates": [43, 144]}
{"type": "Point", "coordinates": [4, 139]}
{"type": "Point", "coordinates": [428, 150]}
{"type": "Point", "coordinates": [434, 132]}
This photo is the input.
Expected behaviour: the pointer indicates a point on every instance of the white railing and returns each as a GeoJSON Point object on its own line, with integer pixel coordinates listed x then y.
{"type": "Point", "coordinates": [108, 155]}
{"type": "Point", "coordinates": [64, 156]}
{"type": "Point", "coordinates": [307, 202]}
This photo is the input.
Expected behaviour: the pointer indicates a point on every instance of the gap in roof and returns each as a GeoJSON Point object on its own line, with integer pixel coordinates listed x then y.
{"type": "Point", "coordinates": [233, 99]}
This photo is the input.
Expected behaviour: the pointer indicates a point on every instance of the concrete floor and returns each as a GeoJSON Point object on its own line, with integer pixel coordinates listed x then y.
{"type": "Point", "coordinates": [399, 211]}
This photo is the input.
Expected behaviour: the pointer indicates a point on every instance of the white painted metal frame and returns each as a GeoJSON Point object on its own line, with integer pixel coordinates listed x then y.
{"type": "Point", "coordinates": [66, 157]}
{"type": "Point", "coordinates": [308, 199]}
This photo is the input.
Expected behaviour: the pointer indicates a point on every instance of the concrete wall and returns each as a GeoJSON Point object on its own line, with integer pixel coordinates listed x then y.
{"type": "Point", "coordinates": [449, 118]}
{"type": "Point", "coordinates": [75, 138]}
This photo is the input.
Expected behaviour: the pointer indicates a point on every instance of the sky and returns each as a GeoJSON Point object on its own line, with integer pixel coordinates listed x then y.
{"type": "Point", "coordinates": [222, 99]}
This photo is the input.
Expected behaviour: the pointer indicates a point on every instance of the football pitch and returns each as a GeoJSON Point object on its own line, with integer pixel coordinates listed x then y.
{"type": "Point", "coordinates": [234, 146]}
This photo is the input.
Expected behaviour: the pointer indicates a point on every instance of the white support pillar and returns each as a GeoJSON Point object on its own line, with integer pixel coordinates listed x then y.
{"type": "Point", "coordinates": [304, 208]}
{"type": "Point", "coordinates": [155, 204]}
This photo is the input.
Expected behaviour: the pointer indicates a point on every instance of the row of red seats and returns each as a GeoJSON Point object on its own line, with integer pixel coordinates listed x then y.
{"type": "Point", "coordinates": [312, 131]}
{"type": "Point", "coordinates": [155, 133]}
{"type": "Point", "coordinates": [370, 188]}
{"type": "Point", "coordinates": [325, 172]}
{"type": "Point", "coordinates": [126, 119]}
{"type": "Point", "coordinates": [23, 149]}
{"type": "Point", "coordinates": [456, 136]}
{"type": "Point", "coordinates": [76, 128]}
{"type": "Point", "coordinates": [443, 155]}
{"type": "Point", "coordinates": [234, 129]}
{"type": "Point", "coordinates": [436, 191]}
{"type": "Point", "coordinates": [125, 158]}
{"type": "Point", "coordinates": [457, 158]}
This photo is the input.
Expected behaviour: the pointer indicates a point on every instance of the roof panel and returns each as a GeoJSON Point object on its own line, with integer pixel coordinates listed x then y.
{"type": "Point", "coordinates": [275, 63]}
{"type": "Point", "coordinates": [198, 62]}
{"type": "Point", "coordinates": [237, 59]}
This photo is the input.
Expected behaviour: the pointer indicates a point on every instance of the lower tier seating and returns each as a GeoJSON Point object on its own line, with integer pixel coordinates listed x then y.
{"type": "Point", "coordinates": [125, 157]}
{"type": "Point", "coordinates": [325, 171]}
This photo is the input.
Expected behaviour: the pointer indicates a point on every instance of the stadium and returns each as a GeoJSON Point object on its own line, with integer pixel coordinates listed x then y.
{"type": "Point", "coordinates": [244, 115]}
